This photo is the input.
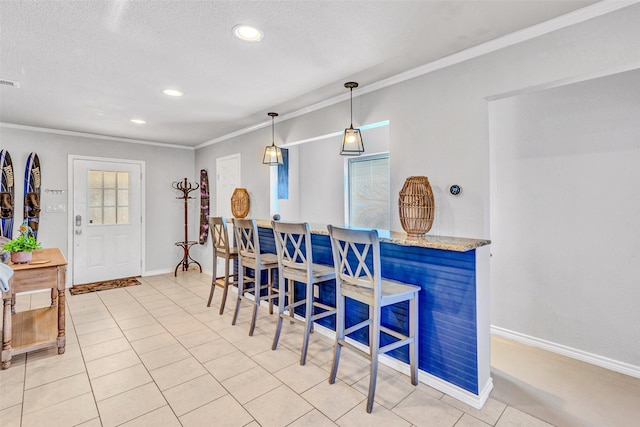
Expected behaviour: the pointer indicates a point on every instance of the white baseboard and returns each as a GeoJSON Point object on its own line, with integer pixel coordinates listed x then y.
{"type": "Point", "coordinates": [594, 359]}
{"type": "Point", "coordinates": [156, 272]}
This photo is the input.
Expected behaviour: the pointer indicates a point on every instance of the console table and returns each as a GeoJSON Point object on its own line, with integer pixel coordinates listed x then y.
{"type": "Point", "coordinates": [38, 328]}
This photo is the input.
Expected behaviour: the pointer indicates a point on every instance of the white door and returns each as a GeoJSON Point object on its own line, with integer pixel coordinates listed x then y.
{"type": "Point", "coordinates": [227, 180]}
{"type": "Point", "coordinates": [107, 220]}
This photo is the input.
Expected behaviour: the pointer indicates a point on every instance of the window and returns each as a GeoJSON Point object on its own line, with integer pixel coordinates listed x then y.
{"type": "Point", "coordinates": [108, 197]}
{"type": "Point", "coordinates": [368, 192]}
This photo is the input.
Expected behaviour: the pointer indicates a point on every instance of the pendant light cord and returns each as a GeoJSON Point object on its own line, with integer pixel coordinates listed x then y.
{"type": "Point", "coordinates": [351, 96]}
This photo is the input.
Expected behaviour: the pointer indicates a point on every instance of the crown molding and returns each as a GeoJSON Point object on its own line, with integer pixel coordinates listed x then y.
{"type": "Point", "coordinates": [93, 136]}
{"type": "Point", "coordinates": [563, 21]}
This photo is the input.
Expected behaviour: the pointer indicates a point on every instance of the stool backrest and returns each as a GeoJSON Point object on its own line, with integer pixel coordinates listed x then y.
{"type": "Point", "coordinates": [247, 239]}
{"type": "Point", "coordinates": [356, 257]}
{"type": "Point", "coordinates": [219, 233]}
{"type": "Point", "coordinates": [293, 244]}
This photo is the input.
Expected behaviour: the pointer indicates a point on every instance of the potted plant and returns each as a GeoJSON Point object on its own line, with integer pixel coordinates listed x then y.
{"type": "Point", "coordinates": [22, 246]}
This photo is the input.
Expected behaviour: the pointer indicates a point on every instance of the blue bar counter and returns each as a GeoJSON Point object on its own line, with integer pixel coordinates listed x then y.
{"type": "Point", "coordinates": [454, 327]}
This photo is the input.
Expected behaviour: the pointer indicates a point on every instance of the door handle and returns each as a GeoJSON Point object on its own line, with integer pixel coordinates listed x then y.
{"type": "Point", "coordinates": [78, 221]}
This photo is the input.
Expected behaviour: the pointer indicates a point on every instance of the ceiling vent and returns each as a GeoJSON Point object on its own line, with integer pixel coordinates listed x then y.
{"type": "Point", "coordinates": [11, 83]}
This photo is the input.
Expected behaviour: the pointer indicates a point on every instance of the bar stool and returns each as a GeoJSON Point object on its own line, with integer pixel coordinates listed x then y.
{"type": "Point", "coordinates": [221, 249]}
{"type": "Point", "coordinates": [355, 280]}
{"type": "Point", "coordinates": [295, 264]}
{"type": "Point", "coordinates": [249, 256]}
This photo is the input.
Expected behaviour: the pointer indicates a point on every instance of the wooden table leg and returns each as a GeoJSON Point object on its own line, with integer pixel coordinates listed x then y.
{"type": "Point", "coordinates": [6, 331]}
{"type": "Point", "coordinates": [54, 294]}
{"type": "Point", "coordinates": [62, 340]}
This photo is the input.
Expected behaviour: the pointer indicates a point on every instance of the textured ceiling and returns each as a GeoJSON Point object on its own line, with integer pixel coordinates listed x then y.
{"type": "Point", "coordinates": [91, 66]}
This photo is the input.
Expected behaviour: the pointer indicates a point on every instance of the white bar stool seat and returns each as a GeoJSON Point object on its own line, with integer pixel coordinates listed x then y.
{"type": "Point", "coordinates": [221, 249]}
{"type": "Point", "coordinates": [295, 264]}
{"type": "Point", "coordinates": [355, 280]}
{"type": "Point", "coordinates": [249, 256]}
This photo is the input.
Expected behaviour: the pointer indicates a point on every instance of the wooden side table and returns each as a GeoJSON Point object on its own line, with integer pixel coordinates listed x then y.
{"type": "Point", "coordinates": [39, 328]}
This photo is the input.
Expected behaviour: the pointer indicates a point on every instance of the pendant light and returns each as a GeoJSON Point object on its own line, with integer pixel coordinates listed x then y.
{"type": "Point", "coordinates": [352, 140]}
{"type": "Point", "coordinates": [272, 154]}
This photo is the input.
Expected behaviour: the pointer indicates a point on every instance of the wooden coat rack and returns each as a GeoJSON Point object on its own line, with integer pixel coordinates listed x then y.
{"type": "Point", "coordinates": [186, 188]}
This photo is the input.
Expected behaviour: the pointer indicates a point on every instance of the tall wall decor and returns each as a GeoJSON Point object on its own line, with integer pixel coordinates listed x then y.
{"type": "Point", "coordinates": [204, 206]}
{"type": "Point", "coordinates": [6, 195]}
{"type": "Point", "coordinates": [185, 187]}
{"type": "Point", "coordinates": [416, 206]}
{"type": "Point", "coordinates": [32, 187]}
{"type": "Point", "coordinates": [240, 203]}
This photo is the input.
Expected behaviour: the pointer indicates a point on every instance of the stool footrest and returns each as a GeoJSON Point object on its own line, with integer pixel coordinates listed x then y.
{"type": "Point", "coordinates": [362, 352]}
{"type": "Point", "coordinates": [357, 326]}
{"type": "Point", "coordinates": [387, 348]}
{"type": "Point", "coordinates": [325, 307]}
{"type": "Point", "coordinates": [395, 334]}
{"type": "Point", "coordinates": [323, 315]}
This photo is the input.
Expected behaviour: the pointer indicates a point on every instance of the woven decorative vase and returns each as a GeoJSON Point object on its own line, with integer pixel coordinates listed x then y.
{"type": "Point", "coordinates": [240, 203]}
{"type": "Point", "coordinates": [416, 206]}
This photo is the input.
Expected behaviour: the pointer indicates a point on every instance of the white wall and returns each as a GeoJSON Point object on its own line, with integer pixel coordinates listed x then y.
{"type": "Point", "coordinates": [439, 127]}
{"type": "Point", "coordinates": [566, 251]}
{"type": "Point", "coordinates": [164, 214]}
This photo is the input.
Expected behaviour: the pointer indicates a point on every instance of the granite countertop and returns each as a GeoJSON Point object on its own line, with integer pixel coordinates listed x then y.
{"type": "Point", "coordinates": [457, 244]}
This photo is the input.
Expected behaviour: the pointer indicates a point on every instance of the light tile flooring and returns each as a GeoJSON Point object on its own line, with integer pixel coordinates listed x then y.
{"type": "Point", "coordinates": [155, 355]}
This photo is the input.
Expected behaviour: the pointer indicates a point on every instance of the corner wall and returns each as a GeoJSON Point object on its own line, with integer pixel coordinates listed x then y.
{"type": "Point", "coordinates": [566, 251]}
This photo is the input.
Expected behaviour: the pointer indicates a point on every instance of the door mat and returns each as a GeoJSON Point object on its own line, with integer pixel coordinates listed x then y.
{"type": "Point", "coordinates": [103, 286]}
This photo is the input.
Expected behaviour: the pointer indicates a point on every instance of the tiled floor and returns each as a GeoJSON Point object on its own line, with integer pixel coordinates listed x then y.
{"type": "Point", "coordinates": [155, 355]}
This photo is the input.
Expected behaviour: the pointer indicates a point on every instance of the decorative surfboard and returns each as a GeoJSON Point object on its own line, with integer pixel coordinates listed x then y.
{"type": "Point", "coordinates": [32, 185]}
{"type": "Point", "coordinates": [204, 206]}
{"type": "Point", "coordinates": [6, 194]}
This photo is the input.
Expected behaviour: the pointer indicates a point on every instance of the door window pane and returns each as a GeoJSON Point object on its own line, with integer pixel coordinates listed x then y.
{"type": "Point", "coordinates": [123, 197]}
{"type": "Point", "coordinates": [108, 198]}
{"type": "Point", "coordinates": [123, 215]}
{"type": "Point", "coordinates": [95, 215]}
{"type": "Point", "coordinates": [95, 179]}
{"type": "Point", "coordinates": [123, 179]}
{"type": "Point", "coordinates": [95, 197]}
{"type": "Point", "coordinates": [109, 179]}
{"type": "Point", "coordinates": [109, 215]}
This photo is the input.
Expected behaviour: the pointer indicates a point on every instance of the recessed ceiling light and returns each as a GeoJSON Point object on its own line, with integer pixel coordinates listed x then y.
{"type": "Point", "coordinates": [138, 121]}
{"type": "Point", "coordinates": [247, 33]}
{"type": "Point", "coordinates": [172, 92]}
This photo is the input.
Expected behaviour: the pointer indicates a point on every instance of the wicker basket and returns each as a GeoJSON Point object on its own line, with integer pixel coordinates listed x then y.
{"type": "Point", "coordinates": [416, 206]}
{"type": "Point", "coordinates": [240, 203]}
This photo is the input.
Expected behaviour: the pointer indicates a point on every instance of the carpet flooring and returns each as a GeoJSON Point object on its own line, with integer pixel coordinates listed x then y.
{"type": "Point", "coordinates": [103, 286]}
